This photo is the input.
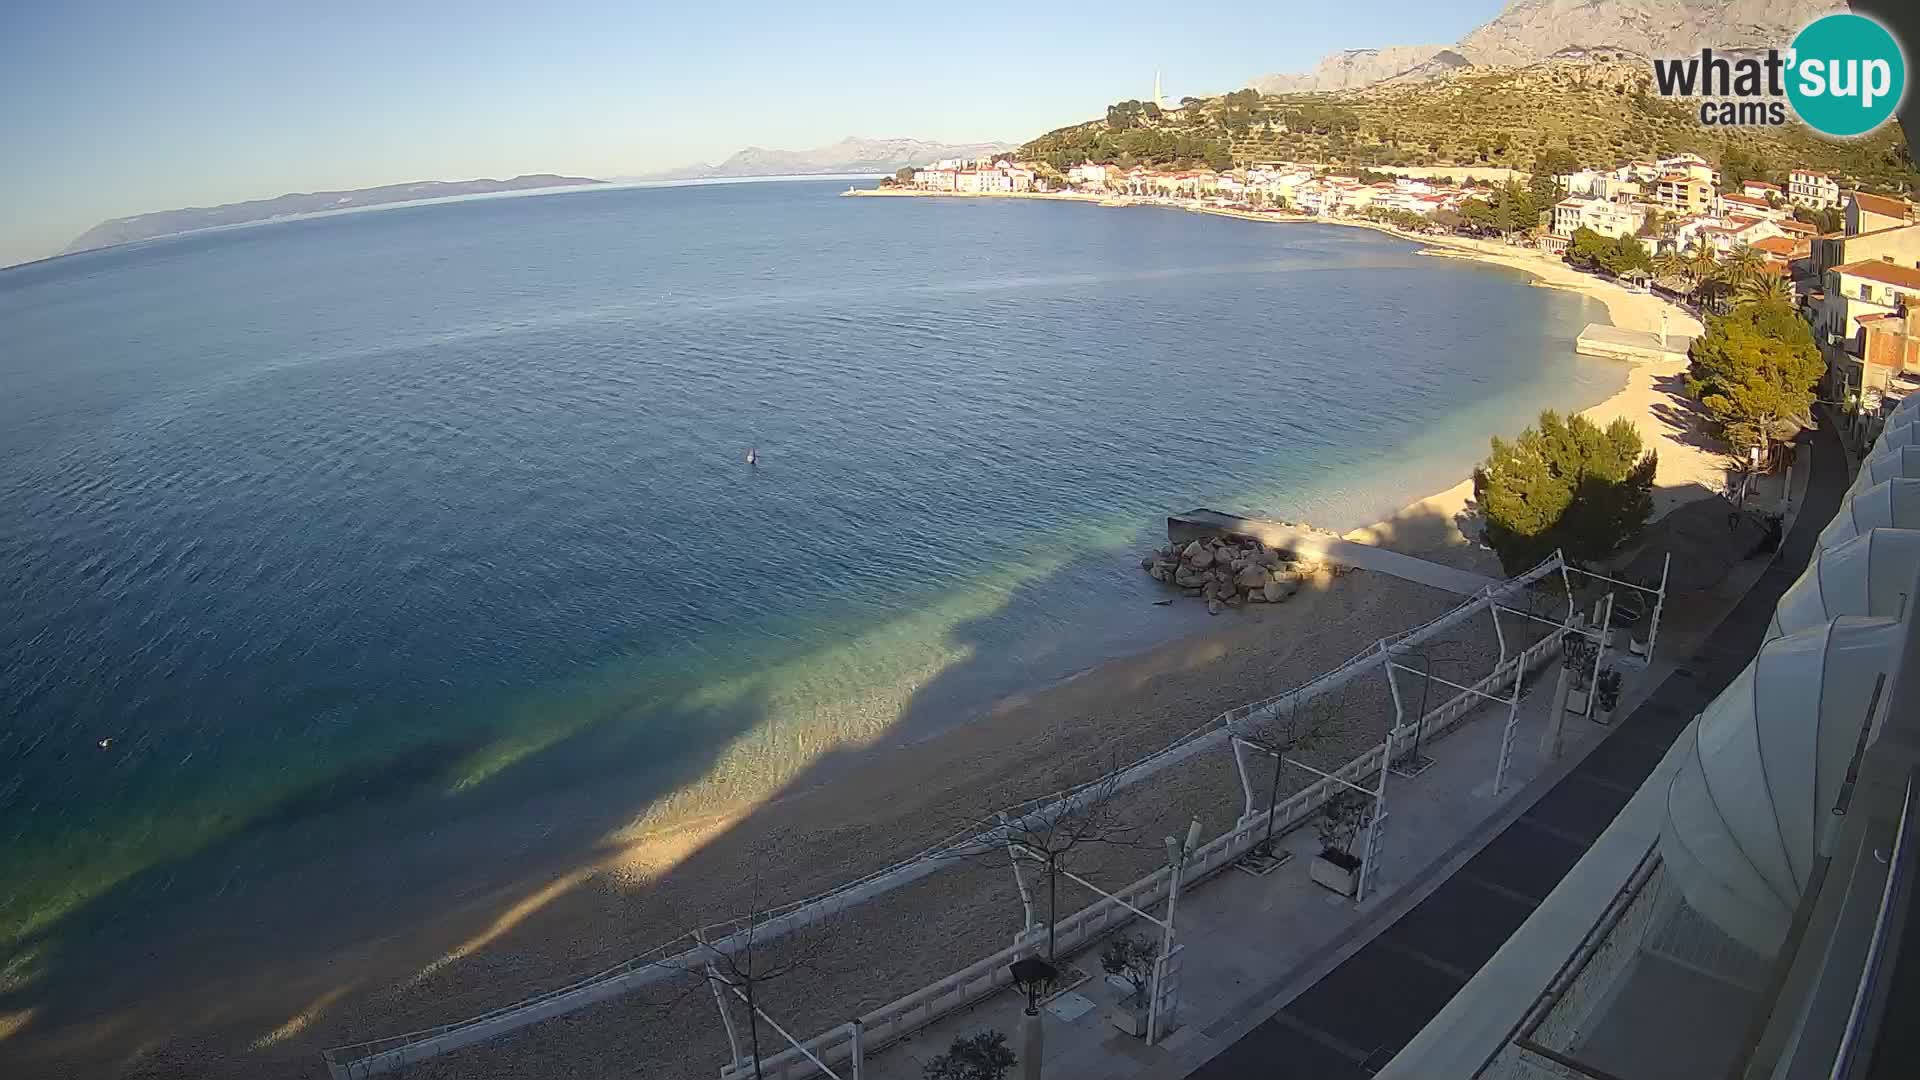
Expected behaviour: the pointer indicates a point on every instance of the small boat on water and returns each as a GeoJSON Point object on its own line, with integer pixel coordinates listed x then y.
{"type": "Point", "coordinates": [753, 455]}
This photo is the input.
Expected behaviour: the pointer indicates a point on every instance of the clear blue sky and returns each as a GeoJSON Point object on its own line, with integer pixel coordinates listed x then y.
{"type": "Point", "coordinates": [115, 107]}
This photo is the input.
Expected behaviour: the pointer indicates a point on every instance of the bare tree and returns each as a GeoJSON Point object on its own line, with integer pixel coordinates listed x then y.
{"type": "Point", "coordinates": [759, 948]}
{"type": "Point", "coordinates": [1280, 731]}
{"type": "Point", "coordinates": [1049, 831]}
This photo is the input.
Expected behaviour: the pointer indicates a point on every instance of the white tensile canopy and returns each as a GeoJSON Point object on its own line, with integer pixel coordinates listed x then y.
{"type": "Point", "coordinates": [1903, 431]}
{"type": "Point", "coordinates": [1870, 574]}
{"type": "Point", "coordinates": [1748, 809]}
{"type": "Point", "coordinates": [1890, 504]}
{"type": "Point", "coordinates": [1880, 466]}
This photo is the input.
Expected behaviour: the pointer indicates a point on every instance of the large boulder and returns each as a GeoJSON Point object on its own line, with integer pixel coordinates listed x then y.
{"type": "Point", "coordinates": [1252, 576]}
{"type": "Point", "coordinates": [1276, 591]}
{"type": "Point", "coordinates": [1200, 559]}
{"type": "Point", "coordinates": [1188, 578]}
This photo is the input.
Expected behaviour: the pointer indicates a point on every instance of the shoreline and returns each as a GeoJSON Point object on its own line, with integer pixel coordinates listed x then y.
{"type": "Point", "coordinates": [651, 883]}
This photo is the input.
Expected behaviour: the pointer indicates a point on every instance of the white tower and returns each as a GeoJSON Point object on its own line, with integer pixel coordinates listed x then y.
{"type": "Point", "coordinates": [1157, 98]}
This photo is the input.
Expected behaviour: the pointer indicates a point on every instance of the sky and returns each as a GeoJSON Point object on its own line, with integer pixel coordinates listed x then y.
{"type": "Point", "coordinates": [117, 107]}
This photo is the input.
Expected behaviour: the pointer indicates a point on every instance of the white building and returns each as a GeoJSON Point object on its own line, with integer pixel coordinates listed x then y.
{"type": "Point", "coordinates": [1692, 165]}
{"type": "Point", "coordinates": [1088, 175]}
{"type": "Point", "coordinates": [1606, 217]}
{"type": "Point", "coordinates": [1815, 190]}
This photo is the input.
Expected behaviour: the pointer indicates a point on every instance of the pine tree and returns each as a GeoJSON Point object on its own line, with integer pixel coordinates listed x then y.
{"type": "Point", "coordinates": [1754, 371]}
{"type": "Point", "coordinates": [1568, 484]}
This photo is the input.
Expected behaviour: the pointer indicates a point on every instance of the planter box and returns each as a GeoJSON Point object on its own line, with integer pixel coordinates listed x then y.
{"type": "Point", "coordinates": [1577, 701]}
{"type": "Point", "coordinates": [1340, 878]}
{"type": "Point", "coordinates": [1129, 1019]}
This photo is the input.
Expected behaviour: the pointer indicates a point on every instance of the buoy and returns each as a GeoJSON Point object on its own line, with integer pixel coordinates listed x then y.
{"type": "Point", "coordinates": [106, 742]}
{"type": "Point", "coordinates": [753, 456]}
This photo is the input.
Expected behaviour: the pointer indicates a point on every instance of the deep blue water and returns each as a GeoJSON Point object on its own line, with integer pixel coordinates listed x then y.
{"type": "Point", "coordinates": [344, 528]}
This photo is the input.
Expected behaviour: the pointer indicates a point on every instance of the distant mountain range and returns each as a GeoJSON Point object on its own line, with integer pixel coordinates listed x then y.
{"type": "Point", "coordinates": [1529, 31]}
{"type": "Point", "coordinates": [849, 155]}
{"type": "Point", "coordinates": [168, 222]}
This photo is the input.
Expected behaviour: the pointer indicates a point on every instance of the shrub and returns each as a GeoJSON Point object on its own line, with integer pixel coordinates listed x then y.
{"type": "Point", "coordinates": [981, 1056]}
{"type": "Point", "coordinates": [1567, 484]}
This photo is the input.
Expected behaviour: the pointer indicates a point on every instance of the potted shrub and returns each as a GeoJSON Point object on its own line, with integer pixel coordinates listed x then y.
{"type": "Point", "coordinates": [1577, 652]}
{"type": "Point", "coordinates": [1336, 867]}
{"type": "Point", "coordinates": [1606, 695]}
{"type": "Point", "coordinates": [983, 1055]}
{"type": "Point", "coordinates": [1131, 958]}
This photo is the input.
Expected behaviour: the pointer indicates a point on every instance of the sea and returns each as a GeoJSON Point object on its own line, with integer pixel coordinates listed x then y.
{"type": "Point", "coordinates": [373, 551]}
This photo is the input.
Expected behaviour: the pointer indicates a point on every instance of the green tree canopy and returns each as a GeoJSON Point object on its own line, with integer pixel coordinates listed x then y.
{"type": "Point", "coordinates": [1754, 371]}
{"type": "Point", "coordinates": [981, 1056]}
{"type": "Point", "coordinates": [1547, 164]}
{"type": "Point", "coordinates": [1567, 484]}
{"type": "Point", "coordinates": [1615, 255]}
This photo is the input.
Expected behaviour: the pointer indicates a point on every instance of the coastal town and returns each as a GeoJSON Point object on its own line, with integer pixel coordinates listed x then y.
{"type": "Point", "coordinates": [1848, 260]}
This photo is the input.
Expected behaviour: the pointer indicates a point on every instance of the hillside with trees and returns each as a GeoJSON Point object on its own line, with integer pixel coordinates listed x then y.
{"type": "Point", "coordinates": [1596, 112]}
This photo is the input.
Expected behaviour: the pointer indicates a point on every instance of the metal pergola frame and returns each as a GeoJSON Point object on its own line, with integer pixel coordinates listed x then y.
{"type": "Point", "coordinates": [1176, 872]}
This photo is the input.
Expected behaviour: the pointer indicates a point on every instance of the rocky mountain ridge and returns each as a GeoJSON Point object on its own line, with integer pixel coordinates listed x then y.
{"type": "Point", "coordinates": [1528, 31]}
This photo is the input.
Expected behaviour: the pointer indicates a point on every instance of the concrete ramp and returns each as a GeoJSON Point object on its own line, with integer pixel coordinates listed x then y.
{"type": "Point", "coordinates": [1633, 346]}
{"type": "Point", "coordinates": [1302, 541]}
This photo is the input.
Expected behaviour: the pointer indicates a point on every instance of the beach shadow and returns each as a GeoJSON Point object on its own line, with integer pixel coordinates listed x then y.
{"type": "Point", "coordinates": [1681, 417]}
{"type": "Point", "coordinates": [176, 972]}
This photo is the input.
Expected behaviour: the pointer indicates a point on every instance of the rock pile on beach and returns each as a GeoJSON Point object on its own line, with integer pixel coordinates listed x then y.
{"type": "Point", "coordinates": [1225, 572]}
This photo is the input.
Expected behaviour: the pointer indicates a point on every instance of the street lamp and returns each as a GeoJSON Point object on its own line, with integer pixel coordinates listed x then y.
{"type": "Point", "coordinates": [1033, 975]}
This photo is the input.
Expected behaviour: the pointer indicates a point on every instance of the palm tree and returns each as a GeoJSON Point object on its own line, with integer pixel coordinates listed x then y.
{"type": "Point", "coordinates": [1708, 277]}
{"type": "Point", "coordinates": [1670, 265]}
{"type": "Point", "coordinates": [1744, 264]}
{"type": "Point", "coordinates": [1766, 289]}
{"type": "Point", "coordinates": [1702, 267]}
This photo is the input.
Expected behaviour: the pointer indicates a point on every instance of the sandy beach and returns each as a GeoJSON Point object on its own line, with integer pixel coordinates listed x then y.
{"type": "Point", "coordinates": [548, 924]}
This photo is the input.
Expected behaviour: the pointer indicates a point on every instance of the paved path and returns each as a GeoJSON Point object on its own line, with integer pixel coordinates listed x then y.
{"type": "Point", "coordinates": [1351, 1022]}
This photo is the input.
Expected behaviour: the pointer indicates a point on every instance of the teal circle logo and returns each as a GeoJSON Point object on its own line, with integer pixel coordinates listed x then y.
{"type": "Point", "coordinates": [1847, 75]}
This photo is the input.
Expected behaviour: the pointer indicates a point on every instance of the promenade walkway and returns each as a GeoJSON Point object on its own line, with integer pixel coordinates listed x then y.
{"type": "Point", "coordinates": [1351, 1021]}
{"type": "Point", "coordinates": [1246, 937]}
{"type": "Point", "coordinates": [1284, 978]}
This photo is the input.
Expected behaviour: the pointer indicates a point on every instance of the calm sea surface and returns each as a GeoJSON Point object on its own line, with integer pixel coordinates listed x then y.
{"type": "Point", "coordinates": [351, 531]}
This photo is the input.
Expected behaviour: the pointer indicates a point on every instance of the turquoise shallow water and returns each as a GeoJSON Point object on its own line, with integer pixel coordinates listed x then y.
{"type": "Point", "coordinates": [353, 531]}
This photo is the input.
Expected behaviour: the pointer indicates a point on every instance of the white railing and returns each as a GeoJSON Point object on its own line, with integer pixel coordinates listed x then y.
{"type": "Point", "coordinates": [990, 974]}
{"type": "Point", "coordinates": [683, 953]}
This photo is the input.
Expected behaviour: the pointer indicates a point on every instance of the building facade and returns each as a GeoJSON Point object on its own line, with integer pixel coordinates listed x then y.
{"type": "Point", "coordinates": [1812, 189]}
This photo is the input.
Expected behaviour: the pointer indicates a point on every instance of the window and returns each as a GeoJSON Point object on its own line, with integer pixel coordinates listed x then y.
{"type": "Point", "coordinates": [1866, 291]}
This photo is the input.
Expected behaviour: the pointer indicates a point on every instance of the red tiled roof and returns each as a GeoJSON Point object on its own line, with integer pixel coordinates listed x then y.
{"type": "Point", "coordinates": [1760, 184]}
{"type": "Point", "coordinates": [1906, 277]}
{"type": "Point", "coordinates": [1745, 200]}
{"type": "Point", "coordinates": [1777, 245]}
{"type": "Point", "coordinates": [1811, 172]}
{"type": "Point", "coordinates": [1798, 226]}
{"type": "Point", "coordinates": [1880, 204]}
